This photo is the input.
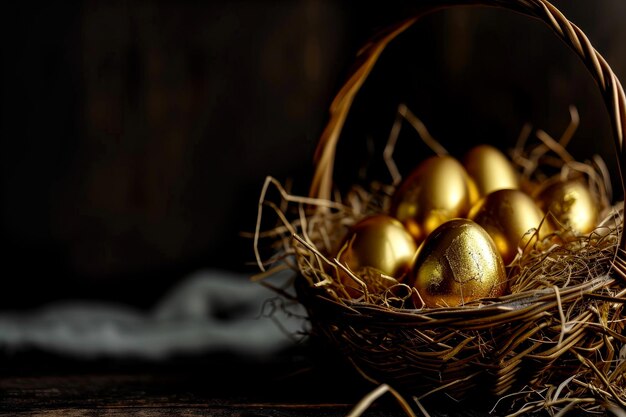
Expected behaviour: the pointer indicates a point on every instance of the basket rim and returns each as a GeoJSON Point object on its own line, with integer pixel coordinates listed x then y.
{"type": "Point", "coordinates": [503, 310]}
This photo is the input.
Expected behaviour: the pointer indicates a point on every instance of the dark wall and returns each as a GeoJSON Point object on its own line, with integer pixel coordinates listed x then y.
{"type": "Point", "coordinates": [136, 135]}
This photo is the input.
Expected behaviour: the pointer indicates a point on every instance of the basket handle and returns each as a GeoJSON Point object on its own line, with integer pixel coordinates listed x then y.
{"type": "Point", "coordinates": [610, 87]}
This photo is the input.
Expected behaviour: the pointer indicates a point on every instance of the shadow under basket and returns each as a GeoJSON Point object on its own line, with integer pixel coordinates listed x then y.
{"type": "Point", "coordinates": [556, 346]}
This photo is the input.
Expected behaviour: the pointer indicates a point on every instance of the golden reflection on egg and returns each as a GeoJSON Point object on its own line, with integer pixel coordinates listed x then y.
{"type": "Point", "coordinates": [490, 169]}
{"type": "Point", "coordinates": [379, 242]}
{"type": "Point", "coordinates": [512, 219]}
{"type": "Point", "coordinates": [436, 191]}
{"type": "Point", "coordinates": [472, 188]}
{"type": "Point", "coordinates": [571, 204]}
{"type": "Point", "coordinates": [457, 263]}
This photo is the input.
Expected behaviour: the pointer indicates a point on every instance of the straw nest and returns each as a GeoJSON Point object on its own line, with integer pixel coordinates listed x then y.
{"type": "Point", "coordinates": [556, 342]}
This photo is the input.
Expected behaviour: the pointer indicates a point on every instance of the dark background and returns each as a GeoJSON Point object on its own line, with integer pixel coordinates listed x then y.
{"type": "Point", "coordinates": [136, 135]}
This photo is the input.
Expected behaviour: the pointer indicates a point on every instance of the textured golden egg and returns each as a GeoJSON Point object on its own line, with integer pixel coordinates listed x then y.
{"type": "Point", "coordinates": [436, 191]}
{"type": "Point", "coordinates": [490, 169]}
{"type": "Point", "coordinates": [511, 218]}
{"type": "Point", "coordinates": [379, 242]}
{"type": "Point", "coordinates": [571, 203]}
{"type": "Point", "coordinates": [458, 263]}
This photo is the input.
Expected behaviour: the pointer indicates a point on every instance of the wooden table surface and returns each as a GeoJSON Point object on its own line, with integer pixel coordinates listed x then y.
{"type": "Point", "coordinates": [290, 384]}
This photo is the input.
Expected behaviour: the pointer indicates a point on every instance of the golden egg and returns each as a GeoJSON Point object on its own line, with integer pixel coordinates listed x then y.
{"type": "Point", "coordinates": [379, 242]}
{"type": "Point", "coordinates": [457, 263]}
{"type": "Point", "coordinates": [511, 218]}
{"type": "Point", "coordinates": [436, 191]}
{"type": "Point", "coordinates": [490, 169]}
{"type": "Point", "coordinates": [472, 188]}
{"type": "Point", "coordinates": [571, 203]}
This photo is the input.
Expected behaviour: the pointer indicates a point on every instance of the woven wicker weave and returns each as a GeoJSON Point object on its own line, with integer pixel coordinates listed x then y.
{"type": "Point", "coordinates": [570, 335]}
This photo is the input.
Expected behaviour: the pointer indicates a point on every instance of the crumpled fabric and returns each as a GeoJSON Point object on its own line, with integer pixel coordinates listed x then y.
{"type": "Point", "coordinates": [211, 310]}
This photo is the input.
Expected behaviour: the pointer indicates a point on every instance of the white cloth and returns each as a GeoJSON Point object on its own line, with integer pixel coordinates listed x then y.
{"type": "Point", "coordinates": [210, 310]}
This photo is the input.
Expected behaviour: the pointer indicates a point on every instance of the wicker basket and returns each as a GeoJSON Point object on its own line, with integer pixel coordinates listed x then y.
{"type": "Point", "coordinates": [522, 342]}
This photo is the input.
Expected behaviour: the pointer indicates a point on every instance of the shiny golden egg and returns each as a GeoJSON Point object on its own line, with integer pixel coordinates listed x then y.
{"type": "Point", "coordinates": [457, 263]}
{"type": "Point", "coordinates": [472, 188]}
{"type": "Point", "coordinates": [379, 242]}
{"type": "Point", "coordinates": [512, 219]}
{"type": "Point", "coordinates": [436, 191]}
{"type": "Point", "coordinates": [490, 169]}
{"type": "Point", "coordinates": [571, 203]}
